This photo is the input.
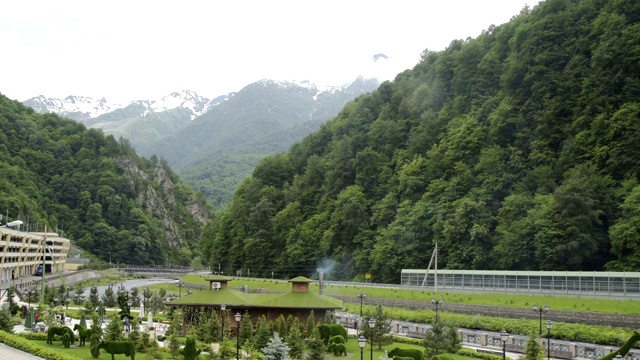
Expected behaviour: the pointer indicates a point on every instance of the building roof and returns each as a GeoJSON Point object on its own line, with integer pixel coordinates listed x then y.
{"type": "Point", "coordinates": [234, 298]}
{"type": "Point", "coordinates": [218, 278]}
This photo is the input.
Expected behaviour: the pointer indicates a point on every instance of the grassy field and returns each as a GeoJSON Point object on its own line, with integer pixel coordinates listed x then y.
{"type": "Point", "coordinates": [556, 302]}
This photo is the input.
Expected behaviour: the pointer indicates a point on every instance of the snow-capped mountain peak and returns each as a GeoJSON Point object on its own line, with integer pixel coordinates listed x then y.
{"type": "Point", "coordinates": [187, 99]}
{"type": "Point", "coordinates": [81, 107]}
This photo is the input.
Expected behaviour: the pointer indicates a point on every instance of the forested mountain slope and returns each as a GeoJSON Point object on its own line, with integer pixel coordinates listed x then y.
{"type": "Point", "coordinates": [217, 150]}
{"type": "Point", "coordinates": [515, 150]}
{"type": "Point", "coordinates": [106, 199]}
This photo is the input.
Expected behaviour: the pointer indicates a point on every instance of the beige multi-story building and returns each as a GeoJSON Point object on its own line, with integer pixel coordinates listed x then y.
{"type": "Point", "coordinates": [21, 253]}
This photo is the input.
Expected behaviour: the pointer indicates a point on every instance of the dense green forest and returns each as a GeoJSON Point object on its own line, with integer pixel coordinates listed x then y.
{"type": "Point", "coordinates": [94, 189]}
{"type": "Point", "coordinates": [514, 150]}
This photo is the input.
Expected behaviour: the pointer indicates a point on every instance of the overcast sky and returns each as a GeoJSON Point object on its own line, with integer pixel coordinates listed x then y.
{"type": "Point", "coordinates": [136, 50]}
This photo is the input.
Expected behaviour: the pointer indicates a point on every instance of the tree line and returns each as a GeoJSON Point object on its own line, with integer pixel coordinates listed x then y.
{"type": "Point", "coordinates": [94, 190]}
{"type": "Point", "coordinates": [515, 150]}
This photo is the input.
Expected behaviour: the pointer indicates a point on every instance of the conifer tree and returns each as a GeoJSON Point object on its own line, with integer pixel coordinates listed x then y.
{"type": "Point", "coordinates": [109, 297]}
{"type": "Point", "coordinates": [435, 340]}
{"type": "Point", "coordinates": [78, 298]}
{"type": "Point", "coordinates": [202, 330]}
{"type": "Point", "coordinates": [5, 322]}
{"type": "Point", "coordinates": [328, 318]}
{"type": "Point", "coordinates": [295, 341]}
{"type": "Point", "coordinates": [114, 330]}
{"type": "Point", "coordinates": [280, 326]}
{"type": "Point", "coordinates": [246, 328]}
{"type": "Point", "coordinates": [533, 350]}
{"type": "Point", "coordinates": [316, 346]}
{"type": "Point", "coordinates": [311, 324]}
{"type": "Point", "coordinates": [134, 335]}
{"type": "Point", "coordinates": [263, 333]}
{"type": "Point", "coordinates": [276, 349]}
{"type": "Point", "coordinates": [94, 298]}
{"type": "Point", "coordinates": [96, 335]}
{"type": "Point", "coordinates": [380, 333]}
{"type": "Point", "coordinates": [11, 292]}
{"type": "Point", "coordinates": [454, 343]}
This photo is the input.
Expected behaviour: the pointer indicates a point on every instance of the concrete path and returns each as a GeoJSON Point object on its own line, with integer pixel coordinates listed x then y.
{"type": "Point", "coordinates": [7, 352]}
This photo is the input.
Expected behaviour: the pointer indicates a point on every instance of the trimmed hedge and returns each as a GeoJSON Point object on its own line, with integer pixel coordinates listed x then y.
{"type": "Point", "coordinates": [20, 343]}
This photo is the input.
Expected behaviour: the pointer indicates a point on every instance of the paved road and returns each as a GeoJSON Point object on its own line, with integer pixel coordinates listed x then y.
{"type": "Point", "coordinates": [7, 352]}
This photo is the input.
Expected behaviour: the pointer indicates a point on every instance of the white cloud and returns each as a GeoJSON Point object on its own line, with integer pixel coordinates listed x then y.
{"type": "Point", "coordinates": [126, 50]}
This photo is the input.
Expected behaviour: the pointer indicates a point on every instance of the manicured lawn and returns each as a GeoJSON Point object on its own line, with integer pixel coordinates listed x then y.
{"type": "Point", "coordinates": [353, 351]}
{"type": "Point", "coordinates": [80, 352]}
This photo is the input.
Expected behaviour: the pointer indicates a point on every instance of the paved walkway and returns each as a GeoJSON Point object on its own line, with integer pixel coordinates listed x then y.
{"type": "Point", "coordinates": [7, 352]}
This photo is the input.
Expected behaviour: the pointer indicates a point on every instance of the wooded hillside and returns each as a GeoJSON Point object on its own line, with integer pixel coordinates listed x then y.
{"type": "Point", "coordinates": [515, 150]}
{"type": "Point", "coordinates": [97, 191]}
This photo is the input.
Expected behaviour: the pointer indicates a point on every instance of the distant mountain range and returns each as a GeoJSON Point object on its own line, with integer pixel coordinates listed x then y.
{"type": "Point", "coordinates": [86, 109]}
{"type": "Point", "coordinates": [214, 143]}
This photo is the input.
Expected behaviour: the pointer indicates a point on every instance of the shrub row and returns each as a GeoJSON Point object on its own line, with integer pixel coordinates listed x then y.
{"type": "Point", "coordinates": [20, 343]}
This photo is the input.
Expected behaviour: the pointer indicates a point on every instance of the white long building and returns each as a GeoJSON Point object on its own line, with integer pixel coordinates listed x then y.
{"type": "Point", "coordinates": [545, 282]}
{"type": "Point", "coordinates": [22, 252]}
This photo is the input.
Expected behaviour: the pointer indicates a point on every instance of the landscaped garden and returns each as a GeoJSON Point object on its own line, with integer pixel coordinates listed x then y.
{"type": "Point", "coordinates": [207, 332]}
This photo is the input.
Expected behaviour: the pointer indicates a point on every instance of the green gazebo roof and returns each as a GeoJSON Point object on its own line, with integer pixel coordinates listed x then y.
{"type": "Point", "coordinates": [234, 298]}
{"type": "Point", "coordinates": [301, 279]}
{"type": "Point", "coordinates": [218, 278]}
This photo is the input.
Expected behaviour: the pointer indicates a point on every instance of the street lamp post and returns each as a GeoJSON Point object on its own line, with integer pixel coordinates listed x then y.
{"type": "Point", "coordinates": [548, 339]}
{"type": "Point", "coordinates": [436, 303]}
{"type": "Point", "coordinates": [30, 295]}
{"type": "Point", "coordinates": [504, 336]}
{"type": "Point", "coordinates": [238, 317]}
{"type": "Point", "coordinates": [540, 310]}
{"type": "Point", "coordinates": [222, 307]}
{"type": "Point", "coordinates": [372, 325]}
{"type": "Point", "coordinates": [362, 342]}
{"type": "Point", "coordinates": [361, 297]}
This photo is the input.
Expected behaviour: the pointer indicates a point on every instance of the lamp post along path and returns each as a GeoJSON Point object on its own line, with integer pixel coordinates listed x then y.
{"type": "Point", "coordinates": [362, 342]}
{"type": "Point", "coordinates": [222, 307]}
{"type": "Point", "coordinates": [238, 317]}
{"type": "Point", "coordinates": [436, 303]}
{"type": "Point", "coordinates": [504, 336]}
{"type": "Point", "coordinates": [361, 297]}
{"type": "Point", "coordinates": [548, 339]}
{"type": "Point", "coordinates": [540, 310]}
{"type": "Point", "coordinates": [372, 325]}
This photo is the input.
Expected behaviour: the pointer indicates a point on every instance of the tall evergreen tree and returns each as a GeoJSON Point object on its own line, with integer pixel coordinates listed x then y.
{"type": "Point", "coordinates": [96, 335]}
{"type": "Point", "coordinates": [114, 330]}
{"type": "Point", "coordinates": [435, 340]}
{"type": "Point", "coordinates": [276, 349]}
{"type": "Point", "coordinates": [533, 350]}
{"type": "Point", "coordinates": [246, 328]}
{"type": "Point", "coordinates": [295, 341]}
{"type": "Point", "coordinates": [311, 324]}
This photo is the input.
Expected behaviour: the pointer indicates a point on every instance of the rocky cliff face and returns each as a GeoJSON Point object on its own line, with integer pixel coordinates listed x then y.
{"type": "Point", "coordinates": [155, 191]}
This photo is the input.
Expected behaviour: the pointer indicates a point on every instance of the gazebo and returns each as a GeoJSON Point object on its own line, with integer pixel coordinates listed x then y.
{"type": "Point", "coordinates": [299, 302]}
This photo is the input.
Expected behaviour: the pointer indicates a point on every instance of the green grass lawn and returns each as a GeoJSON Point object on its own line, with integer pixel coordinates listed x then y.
{"type": "Point", "coordinates": [353, 351]}
{"type": "Point", "coordinates": [557, 302]}
{"type": "Point", "coordinates": [80, 352]}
